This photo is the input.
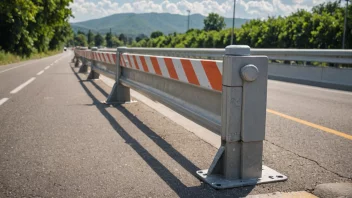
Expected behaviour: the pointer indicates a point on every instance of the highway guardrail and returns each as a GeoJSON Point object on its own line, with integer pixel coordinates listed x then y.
{"type": "Point", "coordinates": [228, 97]}
{"type": "Point", "coordinates": [331, 77]}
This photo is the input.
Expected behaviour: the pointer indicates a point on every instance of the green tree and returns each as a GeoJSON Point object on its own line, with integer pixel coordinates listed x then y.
{"type": "Point", "coordinates": [156, 34]}
{"type": "Point", "coordinates": [80, 40]}
{"type": "Point", "coordinates": [34, 26]}
{"type": "Point", "coordinates": [99, 40]}
{"type": "Point", "coordinates": [140, 37]}
{"type": "Point", "coordinates": [108, 38]}
{"type": "Point", "coordinates": [90, 39]}
{"type": "Point", "coordinates": [123, 38]}
{"type": "Point", "coordinates": [214, 22]}
{"type": "Point", "coordinates": [116, 42]}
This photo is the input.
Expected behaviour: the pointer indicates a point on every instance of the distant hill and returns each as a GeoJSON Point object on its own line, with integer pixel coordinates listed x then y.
{"type": "Point", "coordinates": [133, 24]}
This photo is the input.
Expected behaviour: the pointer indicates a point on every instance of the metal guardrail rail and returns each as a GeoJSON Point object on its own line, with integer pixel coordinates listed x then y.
{"type": "Point", "coordinates": [227, 97]}
{"type": "Point", "coordinates": [304, 55]}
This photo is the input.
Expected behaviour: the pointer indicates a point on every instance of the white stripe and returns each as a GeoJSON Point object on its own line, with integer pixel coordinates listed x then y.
{"type": "Point", "coordinates": [179, 70]}
{"type": "Point", "coordinates": [2, 101]}
{"type": "Point", "coordinates": [16, 67]}
{"type": "Point", "coordinates": [98, 56]}
{"type": "Point", "coordinates": [112, 59]}
{"type": "Point", "coordinates": [39, 73]}
{"type": "Point", "coordinates": [219, 65]}
{"type": "Point", "coordinates": [103, 58]}
{"type": "Point", "coordinates": [162, 66]}
{"type": "Point", "coordinates": [132, 62]}
{"type": "Point", "coordinates": [149, 64]}
{"type": "Point", "coordinates": [200, 73]}
{"type": "Point", "coordinates": [139, 62]}
{"type": "Point", "coordinates": [107, 58]}
{"type": "Point", "coordinates": [127, 62]}
{"type": "Point", "coordinates": [47, 67]}
{"type": "Point", "coordinates": [17, 89]}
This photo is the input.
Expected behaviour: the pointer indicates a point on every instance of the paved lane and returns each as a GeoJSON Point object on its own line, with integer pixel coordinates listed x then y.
{"type": "Point", "coordinates": [14, 75]}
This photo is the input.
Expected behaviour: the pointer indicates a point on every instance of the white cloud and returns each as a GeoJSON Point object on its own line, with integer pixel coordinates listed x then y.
{"type": "Point", "coordinates": [89, 9]}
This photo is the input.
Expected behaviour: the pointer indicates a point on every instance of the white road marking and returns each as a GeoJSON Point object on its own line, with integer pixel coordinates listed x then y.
{"type": "Point", "coordinates": [16, 67]}
{"type": "Point", "coordinates": [35, 61]}
{"type": "Point", "coordinates": [17, 89]}
{"type": "Point", "coordinates": [39, 73]}
{"type": "Point", "coordinates": [47, 67]}
{"type": "Point", "coordinates": [2, 101]}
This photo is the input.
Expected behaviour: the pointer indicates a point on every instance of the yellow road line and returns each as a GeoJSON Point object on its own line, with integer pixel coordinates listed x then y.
{"type": "Point", "coordinates": [325, 129]}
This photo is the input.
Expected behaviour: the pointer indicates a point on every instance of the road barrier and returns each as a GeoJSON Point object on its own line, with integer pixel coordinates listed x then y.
{"type": "Point", "coordinates": [339, 78]}
{"type": "Point", "coordinates": [228, 97]}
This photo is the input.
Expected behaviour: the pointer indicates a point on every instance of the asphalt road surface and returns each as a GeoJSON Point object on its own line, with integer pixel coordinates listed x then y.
{"type": "Point", "coordinates": [57, 139]}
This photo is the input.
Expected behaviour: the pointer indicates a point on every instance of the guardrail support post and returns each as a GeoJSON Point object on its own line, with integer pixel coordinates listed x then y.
{"type": "Point", "coordinates": [238, 161]}
{"type": "Point", "coordinates": [119, 92]}
{"type": "Point", "coordinates": [93, 74]}
{"type": "Point", "coordinates": [77, 62]}
{"type": "Point", "coordinates": [84, 67]}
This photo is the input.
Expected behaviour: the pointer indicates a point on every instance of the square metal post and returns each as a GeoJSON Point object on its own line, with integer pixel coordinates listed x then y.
{"type": "Point", "coordinates": [238, 161]}
{"type": "Point", "coordinates": [84, 66]}
{"type": "Point", "coordinates": [119, 92]}
{"type": "Point", "coordinates": [92, 74]}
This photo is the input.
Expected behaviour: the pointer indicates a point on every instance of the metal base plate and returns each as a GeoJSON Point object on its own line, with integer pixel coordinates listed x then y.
{"type": "Point", "coordinates": [219, 182]}
{"type": "Point", "coordinates": [113, 103]}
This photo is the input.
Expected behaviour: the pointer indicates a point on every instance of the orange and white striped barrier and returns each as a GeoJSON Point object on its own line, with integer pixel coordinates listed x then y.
{"type": "Point", "coordinates": [203, 73]}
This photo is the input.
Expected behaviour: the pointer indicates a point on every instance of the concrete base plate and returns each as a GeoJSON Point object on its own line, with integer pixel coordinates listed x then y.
{"type": "Point", "coordinates": [219, 182]}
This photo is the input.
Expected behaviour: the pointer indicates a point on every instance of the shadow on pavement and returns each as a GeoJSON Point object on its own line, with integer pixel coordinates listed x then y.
{"type": "Point", "coordinates": [171, 180]}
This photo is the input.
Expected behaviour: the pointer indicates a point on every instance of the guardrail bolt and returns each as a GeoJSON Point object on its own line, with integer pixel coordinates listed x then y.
{"type": "Point", "coordinates": [249, 73]}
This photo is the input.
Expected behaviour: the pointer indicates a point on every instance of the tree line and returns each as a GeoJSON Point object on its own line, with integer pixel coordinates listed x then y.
{"type": "Point", "coordinates": [321, 28]}
{"type": "Point", "coordinates": [34, 26]}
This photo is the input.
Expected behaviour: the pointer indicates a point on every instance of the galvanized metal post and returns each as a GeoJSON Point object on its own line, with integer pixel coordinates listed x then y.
{"type": "Point", "coordinates": [84, 67]}
{"type": "Point", "coordinates": [238, 161]}
{"type": "Point", "coordinates": [93, 74]}
{"type": "Point", "coordinates": [77, 61]}
{"type": "Point", "coordinates": [119, 92]}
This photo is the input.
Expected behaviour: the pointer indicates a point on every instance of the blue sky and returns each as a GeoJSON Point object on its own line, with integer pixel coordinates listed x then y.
{"type": "Point", "coordinates": [91, 9]}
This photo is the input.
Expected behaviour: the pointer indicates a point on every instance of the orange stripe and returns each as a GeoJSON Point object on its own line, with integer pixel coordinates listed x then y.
{"type": "Point", "coordinates": [144, 64]}
{"type": "Point", "coordinates": [171, 68]}
{"type": "Point", "coordinates": [213, 74]}
{"type": "Point", "coordinates": [156, 65]}
{"type": "Point", "coordinates": [102, 55]}
{"type": "Point", "coordinates": [135, 61]}
{"type": "Point", "coordinates": [122, 63]}
{"type": "Point", "coordinates": [109, 58]}
{"type": "Point", "coordinates": [190, 74]}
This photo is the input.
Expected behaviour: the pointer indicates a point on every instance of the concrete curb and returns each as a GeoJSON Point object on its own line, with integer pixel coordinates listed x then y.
{"type": "Point", "coordinates": [299, 194]}
{"type": "Point", "coordinates": [341, 190]}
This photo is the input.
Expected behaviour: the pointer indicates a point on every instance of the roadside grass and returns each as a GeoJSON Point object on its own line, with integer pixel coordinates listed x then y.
{"type": "Point", "coordinates": [8, 58]}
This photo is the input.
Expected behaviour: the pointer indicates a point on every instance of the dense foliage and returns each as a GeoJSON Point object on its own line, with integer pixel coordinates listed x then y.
{"type": "Point", "coordinates": [34, 26]}
{"type": "Point", "coordinates": [321, 28]}
{"type": "Point", "coordinates": [214, 22]}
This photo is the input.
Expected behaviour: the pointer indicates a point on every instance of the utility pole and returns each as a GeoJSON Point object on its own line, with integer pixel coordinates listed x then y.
{"type": "Point", "coordinates": [233, 20]}
{"type": "Point", "coordinates": [345, 26]}
{"type": "Point", "coordinates": [188, 19]}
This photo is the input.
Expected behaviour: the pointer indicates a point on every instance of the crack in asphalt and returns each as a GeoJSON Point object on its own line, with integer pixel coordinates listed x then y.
{"type": "Point", "coordinates": [316, 162]}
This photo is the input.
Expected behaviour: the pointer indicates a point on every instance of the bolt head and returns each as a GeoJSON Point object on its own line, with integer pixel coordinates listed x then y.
{"type": "Point", "coordinates": [249, 73]}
